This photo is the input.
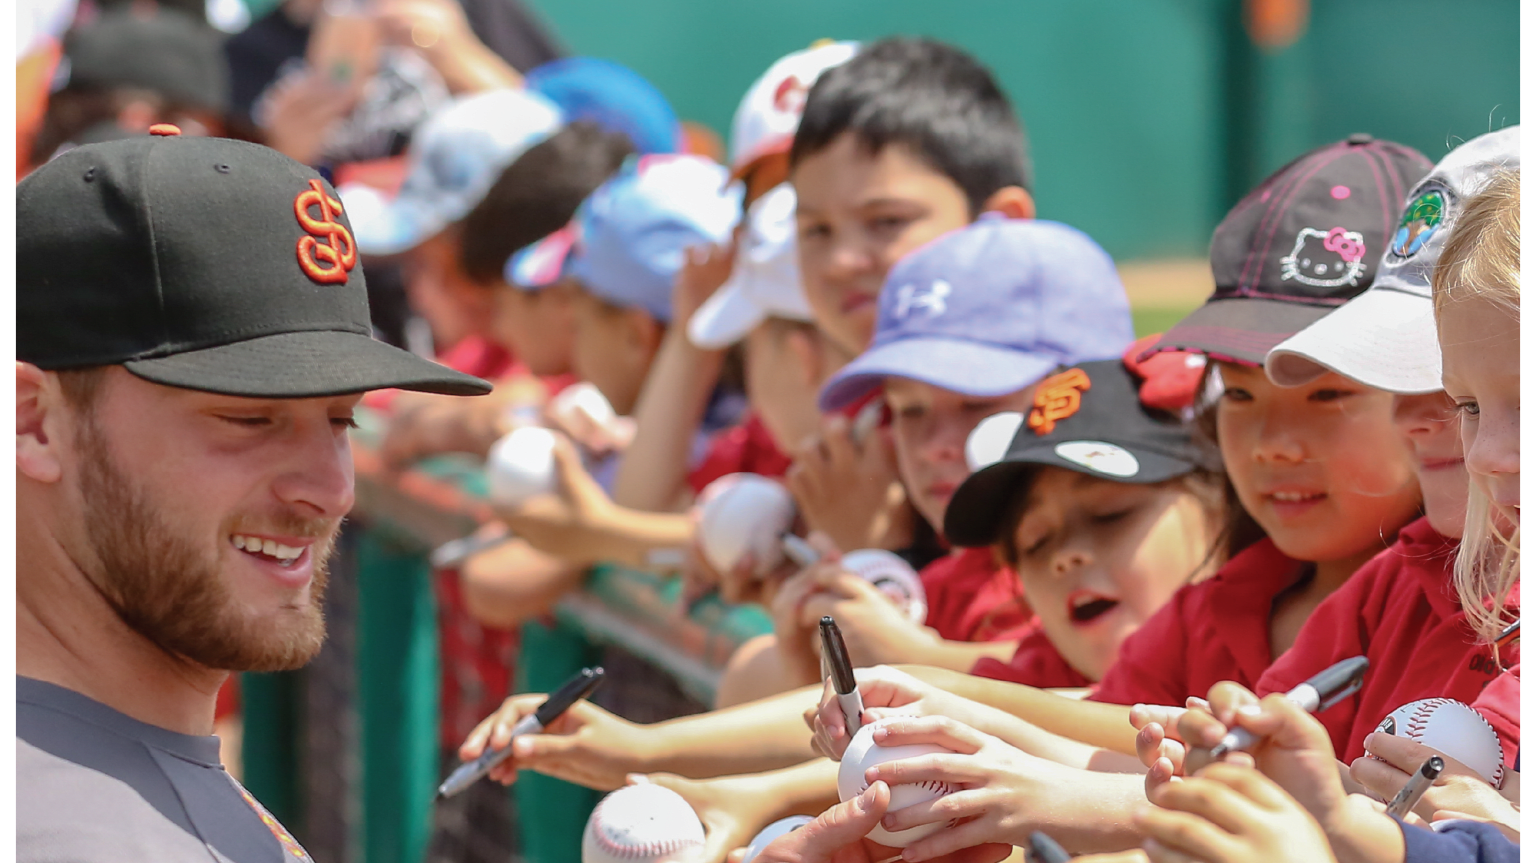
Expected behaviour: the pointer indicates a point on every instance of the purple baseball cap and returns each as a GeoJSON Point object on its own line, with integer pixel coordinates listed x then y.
{"type": "Point", "coordinates": [989, 309]}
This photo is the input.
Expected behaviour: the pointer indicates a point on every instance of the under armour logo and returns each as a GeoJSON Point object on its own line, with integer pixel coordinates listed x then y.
{"type": "Point", "coordinates": [330, 262]}
{"type": "Point", "coordinates": [930, 296]}
{"type": "Point", "coordinates": [1056, 398]}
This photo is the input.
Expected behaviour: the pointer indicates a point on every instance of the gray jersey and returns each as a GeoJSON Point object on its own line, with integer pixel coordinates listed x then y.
{"type": "Point", "coordinates": [95, 785]}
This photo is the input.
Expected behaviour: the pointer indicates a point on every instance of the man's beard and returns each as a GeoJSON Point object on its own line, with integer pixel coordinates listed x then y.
{"type": "Point", "coordinates": [170, 592]}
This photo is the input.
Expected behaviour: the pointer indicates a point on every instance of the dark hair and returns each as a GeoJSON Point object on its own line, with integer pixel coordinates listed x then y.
{"type": "Point", "coordinates": [538, 194]}
{"type": "Point", "coordinates": [81, 386]}
{"type": "Point", "coordinates": [1240, 530]}
{"type": "Point", "coordinates": [933, 98]}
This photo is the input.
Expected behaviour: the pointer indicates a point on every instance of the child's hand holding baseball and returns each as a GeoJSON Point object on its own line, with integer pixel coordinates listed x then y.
{"type": "Point", "coordinates": [1459, 792]}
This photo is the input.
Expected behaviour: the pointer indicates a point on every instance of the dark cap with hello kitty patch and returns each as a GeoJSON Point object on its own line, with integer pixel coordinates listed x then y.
{"type": "Point", "coordinates": [1299, 246]}
{"type": "Point", "coordinates": [201, 263]}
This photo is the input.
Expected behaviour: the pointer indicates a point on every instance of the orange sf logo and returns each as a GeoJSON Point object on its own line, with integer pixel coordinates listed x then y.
{"type": "Point", "coordinates": [329, 262]}
{"type": "Point", "coordinates": [1057, 398]}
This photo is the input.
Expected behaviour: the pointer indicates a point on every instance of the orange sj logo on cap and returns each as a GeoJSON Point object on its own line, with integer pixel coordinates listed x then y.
{"type": "Point", "coordinates": [1056, 398]}
{"type": "Point", "coordinates": [327, 263]}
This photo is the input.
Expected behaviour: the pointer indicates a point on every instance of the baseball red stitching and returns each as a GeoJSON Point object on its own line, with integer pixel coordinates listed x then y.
{"type": "Point", "coordinates": [645, 849]}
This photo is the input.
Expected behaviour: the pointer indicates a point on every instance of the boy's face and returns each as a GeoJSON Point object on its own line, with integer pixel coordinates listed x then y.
{"type": "Point", "coordinates": [439, 291]}
{"type": "Point", "coordinates": [858, 214]}
{"type": "Point", "coordinates": [1097, 558]}
{"type": "Point", "coordinates": [538, 326]}
{"type": "Point", "coordinates": [613, 348]}
{"type": "Point", "coordinates": [930, 426]}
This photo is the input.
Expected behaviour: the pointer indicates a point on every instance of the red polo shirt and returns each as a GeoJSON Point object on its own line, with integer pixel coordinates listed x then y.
{"type": "Point", "coordinates": [972, 598]}
{"type": "Point", "coordinates": [1036, 663]}
{"type": "Point", "coordinates": [1215, 630]}
{"type": "Point", "coordinates": [1400, 611]}
{"type": "Point", "coordinates": [744, 448]}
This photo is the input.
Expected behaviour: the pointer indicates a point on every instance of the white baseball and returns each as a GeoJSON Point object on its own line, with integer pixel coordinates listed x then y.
{"type": "Point", "coordinates": [894, 578]}
{"type": "Point", "coordinates": [1454, 729]}
{"type": "Point", "coordinates": [772, 832]}
{"type": "Point", "coordinates": [586, 399]}
{"type": "Point", "coordinates": [747, 514]}
{"type": "Point", "coordinates": [521, 465]}
{"type": "Point", "coordinates": [642, 824]}
{"type": "Point", "coordinates": [862, 754]}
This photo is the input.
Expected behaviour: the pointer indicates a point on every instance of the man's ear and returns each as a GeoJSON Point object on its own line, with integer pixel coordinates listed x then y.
{"type": "Point", "coordinates": [1011, 201]}
{"type": "Point", "coordinates": [38, 404]}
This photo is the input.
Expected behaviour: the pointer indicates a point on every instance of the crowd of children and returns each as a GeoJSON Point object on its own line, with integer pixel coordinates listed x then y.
{"type": "Point", "coordinates": [1125, 548]}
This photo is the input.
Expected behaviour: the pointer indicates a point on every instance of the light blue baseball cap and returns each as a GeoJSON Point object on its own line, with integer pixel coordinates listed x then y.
{"type": "Point", "coordinates": [632, 232]}
{"type": "Point", "coordinates": [989, 309]}
{"type": "Point", "coordinates": [453, 160]}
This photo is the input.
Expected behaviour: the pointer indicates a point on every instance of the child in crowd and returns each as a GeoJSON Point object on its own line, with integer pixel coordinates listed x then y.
{"type": "Point", "coordinates": [1102, 504]}
{"type": "Point", "coordinates": [1397, 610]}
{"type": "Point", "coordinates": [536, 194]}
{"type": "Point", "coordinates": [907, 140]}
{"type": "Point", "coordinates": [967, 326]}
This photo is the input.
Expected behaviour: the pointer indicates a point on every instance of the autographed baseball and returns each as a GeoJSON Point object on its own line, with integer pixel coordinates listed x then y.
{"type": "Point", "coordinates": [641, 824]}
{"type": "Point", "coordinates": [772, 832]}
{"type": "Point", "coordinates": [1454, 729]}
{"type": "Point", "coordinates": [893, 577]}
{"type": "Point", "coordinates": [521, 465]}
{"type": "Point", "coordinates": [746, 513]}
{"type": "Point", "coordinates": [862, 754]}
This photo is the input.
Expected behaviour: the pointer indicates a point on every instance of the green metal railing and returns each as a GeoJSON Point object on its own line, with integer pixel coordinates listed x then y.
{"type": "Point", "coordinates": [386, 718]}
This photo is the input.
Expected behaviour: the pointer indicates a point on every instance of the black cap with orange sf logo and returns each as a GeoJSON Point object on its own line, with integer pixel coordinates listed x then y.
{"type": "Point", "coordinates": [204, 263]}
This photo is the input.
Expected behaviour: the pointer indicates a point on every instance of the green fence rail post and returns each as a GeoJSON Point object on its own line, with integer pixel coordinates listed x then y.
{"type": "Point", "coordinates": [269, 748]}
{"type": "Point", "coordinates": [397, 674]}
{"type": "Point", "coordinates": [551, 813]}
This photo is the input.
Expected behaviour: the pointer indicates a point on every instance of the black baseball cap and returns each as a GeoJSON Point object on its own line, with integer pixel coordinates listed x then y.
{"type": "Point", "coordinates": [1303, 243]}
{"type": "Point", "coordinates": [204, 263]}
{"type": "Point", "coordinates": [152, 48]}
{"type": "Point", "coordinates": [1090, 418]}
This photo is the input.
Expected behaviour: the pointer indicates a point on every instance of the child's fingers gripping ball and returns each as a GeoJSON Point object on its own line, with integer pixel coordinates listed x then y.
{"type": "Point", "coordinates": [863, 753]}
{"type": "Point", "coordinates": [1452, 728]}
{"type": "Point", "coordinates": [642, 824]}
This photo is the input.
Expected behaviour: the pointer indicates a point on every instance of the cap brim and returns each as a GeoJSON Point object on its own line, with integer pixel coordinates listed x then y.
{"type": "Point", "coordinates": [305, 365]}
{"type": "Point", "coordinates": [1384, 338]}
{"type": "Point", "coordinates": [968, 368]}
{"type": "Point", "coordinates": [725, 318]}
{"type": "Point", "coordinates": [1241, 329]}
{"type": "Point", "coordinates": [976, 511]}
{"type": "Point", "coordinates": [773, 146]}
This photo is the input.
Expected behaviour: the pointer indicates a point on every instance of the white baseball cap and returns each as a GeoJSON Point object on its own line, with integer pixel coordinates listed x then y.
{"type": "Point", "coordinates": [454, 158]}
{"type": "Point", "coordinates": [1385, 337]}
{"type": "Point", "coordinates": [765, 282]}
{"type": "Point", "coordinates": [768, 115]}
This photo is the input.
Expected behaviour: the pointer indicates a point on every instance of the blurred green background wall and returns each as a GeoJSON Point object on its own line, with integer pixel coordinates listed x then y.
{"type": "Point", "coordinates": [1147, 119]}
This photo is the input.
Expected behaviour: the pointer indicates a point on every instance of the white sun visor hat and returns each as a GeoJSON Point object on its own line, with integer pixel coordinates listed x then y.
{"type": "Point", "coordinates": [765, 282]}
{"type": "Point", "coordinates": [768, 115]}
{"type": "Point", "coordinates": [1385, 337]}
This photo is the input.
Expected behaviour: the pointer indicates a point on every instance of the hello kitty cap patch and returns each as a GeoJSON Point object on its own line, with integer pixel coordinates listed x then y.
{"type": "Point", "coordinates": [1301, 244]}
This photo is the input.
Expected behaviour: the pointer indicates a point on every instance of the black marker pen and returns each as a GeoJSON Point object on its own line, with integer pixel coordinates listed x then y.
{"type": "Point", "coordinates": [1330, 686]}
{"type": "Point", "coordinates": [843, 683]}
{"type": "Point", "coordinates": [574, 690]}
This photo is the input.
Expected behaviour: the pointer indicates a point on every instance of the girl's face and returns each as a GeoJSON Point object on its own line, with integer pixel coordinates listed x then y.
{"type": "Point", "coordinates": [930, 426]}
{"type": "Point", "coordinates": [1480, 358]}
{"type": "Point", "coordinates": [1428, 421]}
{"type": "Point", "coordinates": [1320, 467]}
{"type": "Point", "coordinates": [1097, 558]}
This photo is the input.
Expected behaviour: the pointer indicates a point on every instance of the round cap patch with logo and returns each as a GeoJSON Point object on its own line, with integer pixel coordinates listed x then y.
{"type": "Point", "coordinates": [1420, 220]}
{"type": "Point", "coordinates": [1100, 457]}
